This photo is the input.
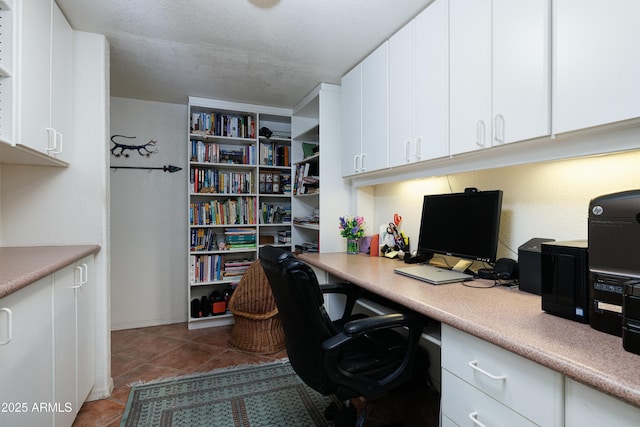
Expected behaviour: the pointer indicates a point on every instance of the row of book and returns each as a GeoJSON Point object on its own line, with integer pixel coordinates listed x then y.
{"type": "Point", "coordinates": [274, 154]}
{"type": "Point", "coordinates": [220, 124]}
{"type": "Point", "coordinates": [204, 180]}
{"type": "Point", "coordinates": [206, 268]}
{"type": "Point", "coordinates": [306, 180]}
{"type": "Point", "coordinates": [212, 268]}
{"type": "Point", "coordinates": [240, 210]}
{"type": "Point", "coordinates": [275, 214]}
{"type": "Point", "coordinates": [211, 152]}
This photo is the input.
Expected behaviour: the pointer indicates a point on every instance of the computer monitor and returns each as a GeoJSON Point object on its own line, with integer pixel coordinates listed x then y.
{"type": "Point", "coordinates": [463, 225]}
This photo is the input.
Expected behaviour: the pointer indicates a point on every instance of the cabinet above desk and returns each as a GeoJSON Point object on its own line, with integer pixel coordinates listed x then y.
{"type": "Point", "coordinates": [508, 318]}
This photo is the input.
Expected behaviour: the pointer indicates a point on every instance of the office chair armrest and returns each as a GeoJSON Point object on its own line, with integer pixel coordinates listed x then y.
{"type": "Point", "coordinates": [356, 328]}
{"type": "Point", "coordinates": [352, 293]}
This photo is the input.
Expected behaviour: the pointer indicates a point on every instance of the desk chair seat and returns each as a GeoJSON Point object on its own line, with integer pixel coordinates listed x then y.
{"type": "Point", "coordinates": [355, 356]}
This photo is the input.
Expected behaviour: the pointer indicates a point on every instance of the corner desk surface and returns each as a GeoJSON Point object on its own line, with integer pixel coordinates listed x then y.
{"type": "Point", "coordinates": [506, 317]}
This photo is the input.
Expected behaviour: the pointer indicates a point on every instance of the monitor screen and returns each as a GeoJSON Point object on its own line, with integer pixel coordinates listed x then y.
{"type": "Point", "coordinates": [463, 225]}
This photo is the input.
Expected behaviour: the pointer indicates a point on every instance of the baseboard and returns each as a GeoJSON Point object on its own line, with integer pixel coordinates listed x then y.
{"type": "Point", "coordinates": [145, 323]}
{"type": "Point", "coordinates": [102, 392]}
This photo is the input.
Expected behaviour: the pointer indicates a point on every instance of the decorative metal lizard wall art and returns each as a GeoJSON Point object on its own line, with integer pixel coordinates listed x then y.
{"type": "Point", "coordinates": [119, 149]}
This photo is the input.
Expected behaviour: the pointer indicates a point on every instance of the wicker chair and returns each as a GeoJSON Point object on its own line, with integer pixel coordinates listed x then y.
{"type": "Point", "coordinates": [257, 328]}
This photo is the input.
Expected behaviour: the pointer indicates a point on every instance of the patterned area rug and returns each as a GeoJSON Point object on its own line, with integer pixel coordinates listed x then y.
{"type": "Point", "coordinates": [256, 395]}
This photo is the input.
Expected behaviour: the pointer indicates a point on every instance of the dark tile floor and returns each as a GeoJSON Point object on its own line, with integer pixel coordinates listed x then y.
{"type": "Point", "coordinates": [151, 353]}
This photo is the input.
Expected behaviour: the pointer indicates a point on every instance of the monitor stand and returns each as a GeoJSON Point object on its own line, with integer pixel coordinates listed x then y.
{"type": "Point", "coordinates": [462, 265]}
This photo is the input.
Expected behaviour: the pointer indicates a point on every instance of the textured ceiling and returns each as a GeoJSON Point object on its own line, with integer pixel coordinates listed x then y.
{"type": "Point", "coordinates": [266, 52]}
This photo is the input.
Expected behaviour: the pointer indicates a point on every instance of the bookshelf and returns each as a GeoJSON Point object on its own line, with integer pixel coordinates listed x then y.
{"type": "Point", "coordinates": [239, 187]}
{"type": "Point", "coordinates": [320, 195]}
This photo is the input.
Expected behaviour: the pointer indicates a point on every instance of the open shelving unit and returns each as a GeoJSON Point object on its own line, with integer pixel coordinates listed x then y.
{"type": "Point", "coordinates": [315, 125]}
{"type": "Point", "coordinates": [232, 211]}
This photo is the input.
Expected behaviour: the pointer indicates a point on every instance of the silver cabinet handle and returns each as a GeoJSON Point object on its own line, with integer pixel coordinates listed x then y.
{"type": "Point", "coordinates": [498, 128]}
{"type": "Point", "coordinates": [54, 145]}
{"type": "Point", "coordinates": [473, 416]}
{"type": "Point", "coordinates": [362, 168]}
{"type": "Point", "coordinates": [418, 148]}
{"type": "Point", "coordinates": [480, 133]}
{"type": "Point", "coordinates": [9, 326]}
{"type": "Point", "coordinates": [474, 365]}
{"type": "Point", "coordinates": [407, 150]}
{"type": "Point", "coordinates": [83, 276]}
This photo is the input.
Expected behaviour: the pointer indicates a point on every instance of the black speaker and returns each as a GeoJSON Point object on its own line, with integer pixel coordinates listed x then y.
{"type": "Point", "coordinates": [531, 266]}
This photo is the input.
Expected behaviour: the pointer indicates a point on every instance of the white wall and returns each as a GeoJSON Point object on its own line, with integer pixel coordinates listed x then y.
{"type": "Point", "coordinates": [547, 199]}
{"type": "Point", "coordinates": [149, 217]}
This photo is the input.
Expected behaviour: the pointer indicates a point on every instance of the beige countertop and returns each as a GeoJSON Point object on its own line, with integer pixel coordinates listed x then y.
{"type": "Point", "coordinates": [507, 317]}
{"type": "Point", "coordinates": [21, 266]}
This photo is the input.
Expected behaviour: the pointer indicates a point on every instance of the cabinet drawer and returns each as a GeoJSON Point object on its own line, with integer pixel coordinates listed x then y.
{"type": "Point", "coordinates": [465, 405]}
{"type": "Point", "coordinates": [525, 386]}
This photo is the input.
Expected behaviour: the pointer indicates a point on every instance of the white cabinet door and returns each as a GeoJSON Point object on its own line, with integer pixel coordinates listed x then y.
{"type": "Point", "coordinates": [470, 74]}
{"type": "Point", "coordinates": [45, 78]}
{"type": "Point", "coordinates": [375, 113]}
{"type": "Point", "coordinates": [402, 145]}
{"type": "Point", "coordinates": [521, 70]}
{"type": "Point", "coordinates": [351, 126]}
{"type": "Point", "coordinates": [85, 328]}
{"type": "Point", "coordinates": [35, 74]}
{"type": "Point", "coordinates": [64, 344]}
{"type": "Point", "coordinates": [586, 407]}
{"type": "Point", "coordinates": [74, 343]}
{"type": "Point", "coordinates": [26, 353]}
{"type": "Point", "coordinates": [431, 117]}
{"type": "Point", "coordinates": [596, 65]}
{"type": "Point", "coordinates": [500, 62]}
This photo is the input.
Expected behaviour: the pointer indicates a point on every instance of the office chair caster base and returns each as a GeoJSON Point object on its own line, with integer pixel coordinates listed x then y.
{"type": "Point", "coordinates": [342, 415]}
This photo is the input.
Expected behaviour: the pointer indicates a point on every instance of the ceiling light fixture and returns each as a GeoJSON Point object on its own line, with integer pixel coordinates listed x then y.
{"type": "Point", "coordinates": [264, 4]}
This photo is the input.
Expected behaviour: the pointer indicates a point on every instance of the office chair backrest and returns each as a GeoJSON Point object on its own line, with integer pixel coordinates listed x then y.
{"type": "Point", "coordinates": [304, 320]}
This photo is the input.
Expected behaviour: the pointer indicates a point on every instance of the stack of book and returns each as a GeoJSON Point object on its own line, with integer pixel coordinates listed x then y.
{"type": "Point", "coordinates": [240, 238]}
{"type": "Point", "coordinates": [284, 236]}
{"type": "Point", "coordinates": [234, 268]}
{"type": "Point", "coordinates": [308, 247]}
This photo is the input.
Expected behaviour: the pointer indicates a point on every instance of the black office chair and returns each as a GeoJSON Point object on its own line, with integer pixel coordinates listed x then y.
{"type": "Point", "coordinates": [355, 356]}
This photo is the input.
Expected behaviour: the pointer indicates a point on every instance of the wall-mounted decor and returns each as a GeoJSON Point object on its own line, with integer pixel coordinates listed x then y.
{"type": "Point", "coordinates": [120, 149]}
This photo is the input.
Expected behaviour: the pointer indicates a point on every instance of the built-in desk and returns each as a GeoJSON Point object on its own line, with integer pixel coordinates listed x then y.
{"type": "Point", "coordinates": [508, 318]}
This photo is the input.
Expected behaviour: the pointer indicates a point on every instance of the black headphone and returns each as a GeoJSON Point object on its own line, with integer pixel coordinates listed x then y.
{"type": "Point", "coordinates": [504, 269]}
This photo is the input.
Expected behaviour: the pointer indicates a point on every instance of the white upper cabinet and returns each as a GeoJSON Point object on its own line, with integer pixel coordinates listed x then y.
{"type": "Point", "coordinates": [521, 70]}
{"type": "Point", "coordinates": [499, 65]}
{"type": "Point", "coordinates": [365, 116]}
{"type": "Point", "coordinates": [418, 88]}
{"type": "Point", "coordinates": [351, 127]}
{"type": "Point", "coordinates": [375, 112]}
{"type": "Point", "coordinates": [45, 78]}
{"type": "Point", "coordinates": [404, 147]}
{"type": "Point", "coordinates": [432, 81]}
{"type": "Point", "coordinates": [596, 65]}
